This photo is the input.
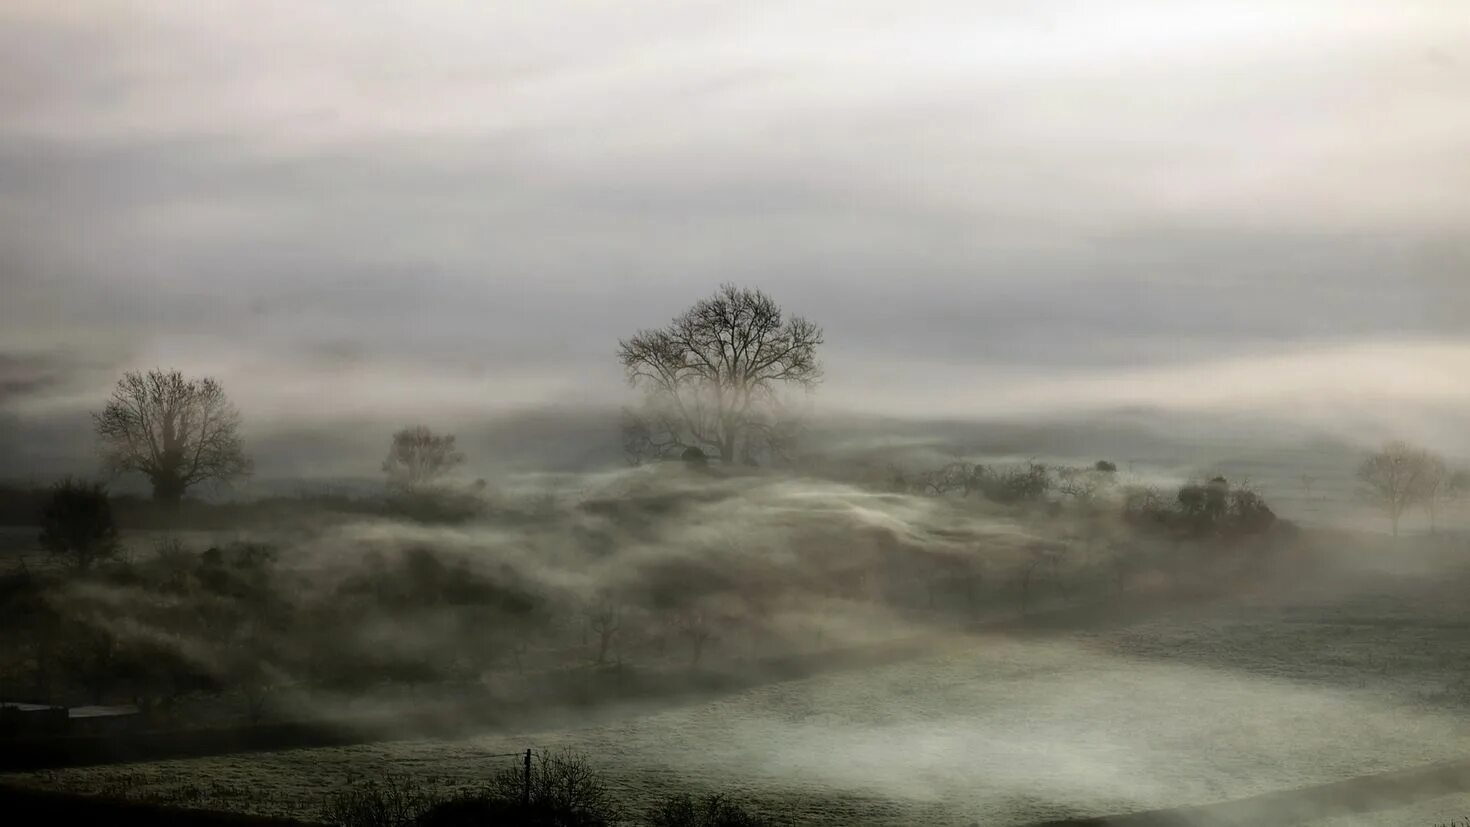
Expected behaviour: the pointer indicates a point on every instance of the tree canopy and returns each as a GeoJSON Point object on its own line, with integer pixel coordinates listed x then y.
{"type": "Point", "coordinates": [1398, 476]}
{"type": "Point", "coordinates": [176, 431]}
{"type": "Point", "coordinates": [713, 376]}
{"type": "Point", "coordinates": [418, 457]}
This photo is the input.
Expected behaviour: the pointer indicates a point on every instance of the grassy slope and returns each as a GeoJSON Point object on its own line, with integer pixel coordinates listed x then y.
{"type": "Point", "coordinates": [1344, 678]}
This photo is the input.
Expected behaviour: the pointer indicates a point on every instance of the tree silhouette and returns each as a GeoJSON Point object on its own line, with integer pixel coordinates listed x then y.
{"type": "Point", "coordinates": [419, 457]}
{"type": "Point", "coordinates": [713, 375]}
{"type": "Point", "coordinates": [176, 431]}
{"type": "Point", "coordinates": [77, 526]}
{"type": "Point", "coordinates": [1396, 477]}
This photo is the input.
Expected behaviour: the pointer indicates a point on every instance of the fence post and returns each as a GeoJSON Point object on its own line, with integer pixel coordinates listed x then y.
{"type": "Point", "coordinates": [526, 782]}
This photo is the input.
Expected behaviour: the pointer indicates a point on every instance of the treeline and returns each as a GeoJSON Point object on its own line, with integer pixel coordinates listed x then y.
{"type": "Point", "coordinates": [1214, 508]}
{"type": "Point", "coordinates": [632, 583]}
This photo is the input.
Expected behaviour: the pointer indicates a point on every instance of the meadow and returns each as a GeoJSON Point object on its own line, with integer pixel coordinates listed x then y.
{"type": "Point", "coordinates": [1357, 669]}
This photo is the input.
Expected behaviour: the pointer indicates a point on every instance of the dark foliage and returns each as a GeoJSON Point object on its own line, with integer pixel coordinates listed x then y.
{"type": "Point", "coordinates": [710, 811]}
{"type": "Point", "coordinates": [77, 526]}
{"type": "Point", "coordinates": [177, 432]}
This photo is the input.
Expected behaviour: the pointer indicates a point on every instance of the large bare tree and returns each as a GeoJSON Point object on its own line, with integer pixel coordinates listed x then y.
{"type": "Point", "coordinates": [1398, 476]}
{"type": "Point", "coordinates": [713, 376]}
{"type": "Point", "coordinates": [418, 457]}
{"type": "Point", "coordinates": [176, 431]}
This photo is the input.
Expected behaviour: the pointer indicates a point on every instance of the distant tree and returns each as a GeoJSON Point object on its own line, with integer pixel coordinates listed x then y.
{"type": "Point", "coordinates": [1086, 485]}
{"type": "Point", "coordinates": [1439, 487]}
{"type": "Point", "coordinates": [1017, 484]}
{"type": "Point", "coordinates": [713, 375]}
{"type": "Point", "coordinates": [77, 527]}
{"type": "Point", "coordinates": [418, 457]}
{"type": "Point", "coordinates": [958, 477]}
{"type": "Point", "coordinates": [178, 432]}
{"type": "Point", "coordinates": [605, 618]}
{"type": "Point", "coordinates": [1396, 477]}
{"type": "Point", "coordinates": [1455, 489]}
{"type": "Point", "coordinates": [693, 624]}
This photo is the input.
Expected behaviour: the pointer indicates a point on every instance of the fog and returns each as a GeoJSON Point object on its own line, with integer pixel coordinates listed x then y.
{"type": "Point", "coordinates": [1120, 469]}
{"type": "Point", "coordinates": [990, 207]}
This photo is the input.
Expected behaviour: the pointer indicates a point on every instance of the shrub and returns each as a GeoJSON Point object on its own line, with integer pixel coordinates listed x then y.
{"type": "Point", "coordinates": [565, 791]}
{"type": "Point", "coordinates": [710, 811]}
{"type": "Point", "coordinates": [1017, 484]}
{"type": "Point", "coordinates": [77, 525]}
{"type": "Point", "coordinates": [392, 802]}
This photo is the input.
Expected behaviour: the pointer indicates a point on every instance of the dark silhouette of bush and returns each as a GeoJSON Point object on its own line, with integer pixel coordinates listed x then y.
{"type": "Point", "coordinates": [1015, 485]}
{"type": "Point", "coordinates": [77, 526]}
{"type": "Point", "coordinates": [710, 811]}
{"type": "Point", "coordinates": [564, 791]}
{"type": "Point", "coordinates": [494, 811]}
{"type": "Point", "coordinates": [392, 802]}
{"type": "Point", "coordinates": [1213, 509]}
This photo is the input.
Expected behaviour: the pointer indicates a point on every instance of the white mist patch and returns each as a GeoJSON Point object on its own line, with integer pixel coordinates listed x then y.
{"type": "Point", "coordinates": [996, 723]}
{"type": "Point", "coordinates": [993, 731]}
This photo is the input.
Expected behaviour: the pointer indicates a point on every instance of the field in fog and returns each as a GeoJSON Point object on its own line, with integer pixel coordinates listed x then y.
{"type": "Point", "coordinates": [1357, 673]}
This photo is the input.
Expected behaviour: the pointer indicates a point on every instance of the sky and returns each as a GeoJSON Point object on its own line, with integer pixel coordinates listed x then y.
{"type": "Point", "coordinates": [357, 210]}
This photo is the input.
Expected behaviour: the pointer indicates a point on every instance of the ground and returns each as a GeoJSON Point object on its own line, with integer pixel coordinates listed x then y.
{"type": "Point", "coordinates": [1359, 672]}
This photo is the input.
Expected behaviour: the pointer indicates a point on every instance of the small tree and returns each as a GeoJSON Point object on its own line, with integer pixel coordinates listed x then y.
{"type": "Point", "coordinates": [713, 376]}
{"type": "Point", "coordinates": [1439, 487]}
{"type": "Point", "coordinates": [605, 619]}
{"type": "Point", "coordinates": [1396, 478]}
{"type": "Point", "coordinates": [1087, 485]}
{"type": "Point", "coordinates": [418, 457]}
{"type": "Point", "coordinates": [77, 526]}
{"type": "Point", "coordinates": [178, 432]}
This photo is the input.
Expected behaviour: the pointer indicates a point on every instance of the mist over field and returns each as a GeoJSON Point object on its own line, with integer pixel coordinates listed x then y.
{"type": "Point", "coordinates": [730, 414]}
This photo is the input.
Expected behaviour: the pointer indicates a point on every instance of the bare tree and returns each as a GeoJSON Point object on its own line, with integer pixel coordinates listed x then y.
{"type": "Point", "coordinates": [694, 625]}
{"type": "Point", "coordinates": [1087, 485]}
{"type": "Point", "coordinates": [1396, 477]}
{"type": "Point", "coordinates": [605, 619]}
{"type": "Point", "coordinates": [1441, 487]}
{"type": "Point", "coordinates": [714, 373]}
{"type": "Point", "coordinates": [176, 431]}
{"type": "Point", "coordinates": [419, 457]}
{"type": "Point", "coordinates": [958, 477]}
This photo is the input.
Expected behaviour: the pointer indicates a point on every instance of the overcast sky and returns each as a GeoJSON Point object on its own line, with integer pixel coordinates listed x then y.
{"type": "Point", "coordinates": [349, 209]}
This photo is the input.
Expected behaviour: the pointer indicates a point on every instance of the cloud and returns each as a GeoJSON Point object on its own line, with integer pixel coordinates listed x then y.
{"type": "Point", "coordinates": [467, 205]}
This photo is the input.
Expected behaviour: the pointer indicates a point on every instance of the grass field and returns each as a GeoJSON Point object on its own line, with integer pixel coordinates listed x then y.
{"type": "Point", "coordinates": [1359, 673]}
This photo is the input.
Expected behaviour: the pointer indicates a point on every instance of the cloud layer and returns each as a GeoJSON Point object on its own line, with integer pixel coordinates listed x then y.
{"type": "Point", "coordinates": [357, 207]}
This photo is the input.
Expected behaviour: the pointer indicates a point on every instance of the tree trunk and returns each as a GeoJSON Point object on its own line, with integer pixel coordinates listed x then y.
{"type": "Point", "coordinates": [168, 489]}
{"type": "Point", "coordinates": [727, 450]}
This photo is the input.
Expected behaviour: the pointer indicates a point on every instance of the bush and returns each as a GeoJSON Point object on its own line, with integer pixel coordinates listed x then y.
{"type": "Point", "coordinates": [710, 811]}
{"type": "Point", "coordinates": [1014, 485]}
{"type": "Point", "coordinates": [565, 791]}
{"type": "Point", "coordinates": [77, 525]}
{"type": "Point", "coordinates": [393, 802]}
